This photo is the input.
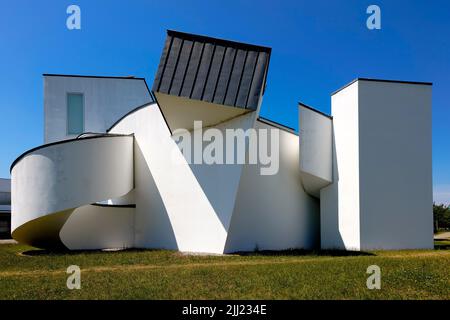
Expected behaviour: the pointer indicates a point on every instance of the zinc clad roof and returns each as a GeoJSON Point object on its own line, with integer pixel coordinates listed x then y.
{"type": "Point", "coordinates": [212, 70]}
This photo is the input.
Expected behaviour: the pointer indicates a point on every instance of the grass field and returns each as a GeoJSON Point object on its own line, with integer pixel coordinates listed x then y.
{"type": "Point", "coordinates": [28, 273]}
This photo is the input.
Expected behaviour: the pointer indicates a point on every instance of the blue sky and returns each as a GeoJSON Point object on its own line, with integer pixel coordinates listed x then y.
{"type": "Point", "coordinates": [317, 46]}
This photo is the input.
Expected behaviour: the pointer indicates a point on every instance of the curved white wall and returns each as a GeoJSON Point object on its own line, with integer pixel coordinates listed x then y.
{"type": "Point", "coordinates": [172, 209]}
{"type": "Point", "coordinates": [59, 178]}
{"type": "Point", "coordinates": [216, 208]}
{"type": "Point", "coordinates": [273, 212]}
{"type": "Point", "coordinates": [98, 227]}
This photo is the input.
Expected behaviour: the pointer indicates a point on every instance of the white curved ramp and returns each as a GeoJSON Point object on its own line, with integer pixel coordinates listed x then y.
{"type": "Point", "coordinates": [51, 181]}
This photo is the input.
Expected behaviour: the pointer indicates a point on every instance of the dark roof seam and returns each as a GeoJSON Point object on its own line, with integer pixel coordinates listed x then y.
{"type": "Point", "coordinates": [207, 73]}
{"type": "Point", "coordinates": [198, 68]}
{"type": "Point", "coordinates": [186, 69]}
{"type": "Point", "coordinates": [176, 66]}
{"type": "Point", "coordinates": [266, 74]}
{"type": "Point", "coordinates": [315, 110]}
{"type": "Point", "coordinates": [148, 89]}
{"type": "Point", "coordinates": [277, 125]}
{"type": "Point", "coordinates": [218, 74]}
{"type": "Point", "coordinates": [131, 205]}
{"type": "Point", "coordinates": [105, 135]}
{"type": "Point", "coordinates": [229, 77]}
{"type": "Point", "coordinates": [251, 81]}
{"type": "Point", "coordinates": [165, 63]}
{"type": "Point", "coordinates": [240, 79]}
{"type": "Point", "coordinates": [131, 112]}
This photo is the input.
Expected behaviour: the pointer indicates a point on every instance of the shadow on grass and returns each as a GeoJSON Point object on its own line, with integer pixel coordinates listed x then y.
{"type": "Point", "coordinates": [67, 252]}
{"type": "Point", "coordinates": [442, 244]}
{"type": "Point", "coordinates": [301, 252]}
{"type": "Point", "coordinates": [280, 253]}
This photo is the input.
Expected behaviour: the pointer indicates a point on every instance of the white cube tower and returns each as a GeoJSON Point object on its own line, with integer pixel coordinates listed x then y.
{"type": "Point", "coordinates": [381, 195]}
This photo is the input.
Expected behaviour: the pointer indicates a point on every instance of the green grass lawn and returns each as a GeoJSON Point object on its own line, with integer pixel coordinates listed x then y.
{"type": "Point", "coordinates": [28, 273]}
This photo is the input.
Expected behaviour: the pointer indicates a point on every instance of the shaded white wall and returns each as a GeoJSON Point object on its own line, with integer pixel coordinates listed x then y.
{"type": "Point", "coordinates": [379, 159]}
{"type": "Point", "coordinates": [339, 212]}
{"type": "Point", "coordinates": [172, 209]}
{"type": "Point", "coordinates": [180, 112]}
{"type": "Point", "coordinates": [395, 166]}
{"type": "Point", "coordinates": [96, 227]}
{"type": "Point", "coordinates": [273, 212]}
{"type": "Point", "coordinates": [220, 182]}
{"type": "Point", "coordinates": [189, 207]}
{"type": "Point", "coordinates": [316, 150]}
{"type": "Point", "coordinates": [105, 101]}
{"type": "Point", "coordinates": [381, 197]}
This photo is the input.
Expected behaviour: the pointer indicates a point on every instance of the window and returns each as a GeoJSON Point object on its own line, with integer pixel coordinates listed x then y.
{"type": "Point", "coordinates": [4, 226]}
{"type": "Point", "coordinates": [75, 113]}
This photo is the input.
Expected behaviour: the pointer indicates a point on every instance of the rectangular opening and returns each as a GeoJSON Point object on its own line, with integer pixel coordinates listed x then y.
{"type": "Point", "coordinates": [75, 113]}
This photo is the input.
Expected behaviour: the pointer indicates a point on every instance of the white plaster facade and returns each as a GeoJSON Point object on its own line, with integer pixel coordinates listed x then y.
{"type": "Point", "coordinates": [359, 179]}
{"type": "Point", "coordinates": [381, 195]}
{"type": "Point", "coordinates": [106, 99]}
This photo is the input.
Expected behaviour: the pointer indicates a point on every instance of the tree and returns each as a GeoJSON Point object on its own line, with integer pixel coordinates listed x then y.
{"type": "Point", "coordinates": [441, 215]}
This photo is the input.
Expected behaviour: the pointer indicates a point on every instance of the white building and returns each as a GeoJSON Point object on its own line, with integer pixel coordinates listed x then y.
{"type": "Point", "coordinates": [115, 171]}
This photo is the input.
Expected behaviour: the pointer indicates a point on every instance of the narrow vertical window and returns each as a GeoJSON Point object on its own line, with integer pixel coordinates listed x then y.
{"type": "Point", "coordinates": [75, 113]}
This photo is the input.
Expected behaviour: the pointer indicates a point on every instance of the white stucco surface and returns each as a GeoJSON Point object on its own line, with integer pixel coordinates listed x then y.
{"type": "Point", "coordinates": [180, 112]}
{"type": "Point", "coordinates": [105, 101]}
{"type": "Point", "coordinates": [172, 209]}
{"type": "Point", "coordinates": [273, 212]}
{"type": "Point", "coordinates": [316, 150]}
{"type": "Point", "coordinates": [96, 227]}
{"type": "Point", "coordinates": [381, 197]}
{"type": "Point", "coordinates": [396, 201]}
{"type": "Point", "coordinates": [358, 181]}
{"type": "Point", "coordinates": [220, 182]}
{"type": "Point", "coordinates": [339, 213]}
{"type": "Point", "coordinates": [61, 177]}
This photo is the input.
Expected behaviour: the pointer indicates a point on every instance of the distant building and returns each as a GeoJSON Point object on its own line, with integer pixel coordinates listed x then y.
{"type": "Point", "coordinates": [112, 173]}
{"type": "Point", "coordinates": [5, 208]}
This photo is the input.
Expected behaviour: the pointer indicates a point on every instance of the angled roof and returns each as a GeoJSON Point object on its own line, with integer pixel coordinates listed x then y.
{"type": "Point", "coordinates": [301, 104]}
{"type": "Point", "coordinates": [381, 80]}
{"type": "Point", "coordinates": [91, 76]}
{"type": "Point", "coordinates": [277, 125]}
{"type": "Point", "coordinates": [100, 77]}
{"type": "Point", "coordinates": [212, 70]}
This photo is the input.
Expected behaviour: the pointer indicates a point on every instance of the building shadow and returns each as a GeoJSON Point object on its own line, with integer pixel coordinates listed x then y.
{"type": "Point", "coordinates": [153, 227]}
{"type": "Point", "coordinates": [302, 252]}
{"type": "Point", "coordinates": [67, 252]}
{"type": "Point", "coordinates": [441, 244]}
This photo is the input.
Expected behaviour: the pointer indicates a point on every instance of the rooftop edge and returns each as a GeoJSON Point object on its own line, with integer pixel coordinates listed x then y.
{"type": "Point", "coordinates": [91, 76]}
{"type": "Point", "coordinates": [381, 80]}
{"type": "Point", "coordinates": [315, 110]}
{"type": "Point", "coordinates": [230, 43]}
